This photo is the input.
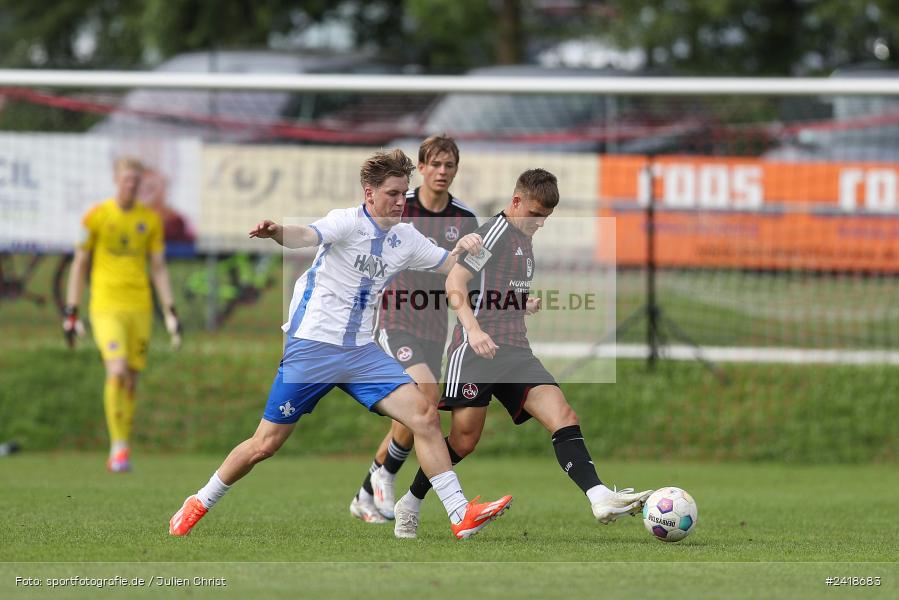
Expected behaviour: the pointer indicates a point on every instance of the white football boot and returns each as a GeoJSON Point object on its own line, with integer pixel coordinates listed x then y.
{"type": "Point", "coordinates": [382, 486]}
{"type": "Point", "coordinates": [366, 511]}
{"type": "Point", "coordinates": [406, 524]}
{"type": "Point", "coordinates": [619, 503]}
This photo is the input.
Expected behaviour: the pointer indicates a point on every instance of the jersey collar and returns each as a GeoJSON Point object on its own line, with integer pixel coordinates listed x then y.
{"type": "Point", "coordinates": [380, 232]}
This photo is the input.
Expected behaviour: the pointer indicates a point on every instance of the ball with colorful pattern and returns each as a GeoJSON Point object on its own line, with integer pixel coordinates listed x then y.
{"type": "Point", "coordinates": [670, 514]}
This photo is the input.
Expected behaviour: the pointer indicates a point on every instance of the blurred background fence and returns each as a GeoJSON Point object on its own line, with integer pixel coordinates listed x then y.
{"type": "Point", "coordinates": [775, 250]}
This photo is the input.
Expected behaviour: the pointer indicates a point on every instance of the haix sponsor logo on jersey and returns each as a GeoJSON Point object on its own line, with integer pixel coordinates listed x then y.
{"type": "Point", "coordinates": [370, 265]}
{"type": "Point", "coordinates": [665, 522]}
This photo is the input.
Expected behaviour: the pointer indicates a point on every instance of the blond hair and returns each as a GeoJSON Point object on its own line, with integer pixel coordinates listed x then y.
{"type": "Point", "coordinates": [128, 162]}
{"type": "Point", "coordinates": [382, 165]}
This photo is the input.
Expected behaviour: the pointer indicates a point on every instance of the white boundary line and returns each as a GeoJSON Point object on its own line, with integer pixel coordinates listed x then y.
{"type": "Point", "coordinates": [724, 354]}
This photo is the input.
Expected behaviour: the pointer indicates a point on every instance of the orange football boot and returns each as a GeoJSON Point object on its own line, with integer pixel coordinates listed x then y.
{"type": "Point", "coordinates": [477, 516]}
{"type": "Point", "coordinates": [184, 520]}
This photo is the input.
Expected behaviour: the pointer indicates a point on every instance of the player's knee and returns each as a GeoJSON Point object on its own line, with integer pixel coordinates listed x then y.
{"type": "Point", "coordinates": [265, 448]}
{"type": "Point", "coordinates": [425, 416]}
{"type": "Point", "coordinates": [120, 374]}
{"type": "Point", "coordinates": [466, 443]}
{"type": "Point", "coordinates": [431, 392]}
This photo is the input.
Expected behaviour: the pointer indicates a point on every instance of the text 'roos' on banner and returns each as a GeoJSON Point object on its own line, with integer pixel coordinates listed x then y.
{"type": "Point", "coordinates": [724, 212]}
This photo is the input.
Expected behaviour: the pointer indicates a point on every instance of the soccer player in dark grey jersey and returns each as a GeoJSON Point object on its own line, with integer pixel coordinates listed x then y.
{"type": "Point", "coordinates": [490, 355]}
{"type": "Point", "coordinates": [412, 321]}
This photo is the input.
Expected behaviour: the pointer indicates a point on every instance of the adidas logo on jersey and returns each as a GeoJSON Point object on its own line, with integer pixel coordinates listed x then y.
{"type": "Point", "coordinates": [519, 252]}
{"type": "Point", "coordinates": [370, 265]}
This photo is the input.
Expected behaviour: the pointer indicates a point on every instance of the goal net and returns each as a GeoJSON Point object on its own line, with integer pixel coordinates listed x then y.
{"type": "Point", "coordinates": [774, 229]}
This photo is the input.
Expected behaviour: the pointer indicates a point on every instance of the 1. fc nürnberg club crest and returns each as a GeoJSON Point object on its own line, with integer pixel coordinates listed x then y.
{"type": "Point", "coordinates": [452, 233]}
{"type": "Point", "coordinates": [404, 354]}
{"type": "Point", "coordinates": [469, 390]}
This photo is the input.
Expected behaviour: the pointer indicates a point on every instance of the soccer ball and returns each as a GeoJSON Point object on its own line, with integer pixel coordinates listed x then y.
{"type": "Point", "coordinates": [670, 514]}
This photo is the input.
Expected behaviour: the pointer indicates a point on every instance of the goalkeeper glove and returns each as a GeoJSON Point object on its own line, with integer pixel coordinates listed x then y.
{"type": "Point", "coordinates": [72, 327]}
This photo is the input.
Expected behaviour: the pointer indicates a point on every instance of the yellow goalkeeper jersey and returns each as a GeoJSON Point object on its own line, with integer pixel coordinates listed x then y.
{"type": "Point", "coordinates": [120, 242]}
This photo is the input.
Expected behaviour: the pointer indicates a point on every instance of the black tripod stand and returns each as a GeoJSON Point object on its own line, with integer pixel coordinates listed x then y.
{"type": "Point", "coordinates": [658, 326]}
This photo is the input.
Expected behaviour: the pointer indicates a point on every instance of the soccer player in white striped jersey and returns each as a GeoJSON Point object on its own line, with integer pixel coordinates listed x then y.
{"type": "Point", "coordinates": [330, 340]}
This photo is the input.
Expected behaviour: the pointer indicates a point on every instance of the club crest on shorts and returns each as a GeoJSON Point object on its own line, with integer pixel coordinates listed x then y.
{"type": "Point", "coordinates": [469, 390]}
{"type": "Point", "coordinates": [452, 233]}
{"type": "Point", "coordinates": [404, 354]}
{"type": "Point", "coordinates": [530, 266]}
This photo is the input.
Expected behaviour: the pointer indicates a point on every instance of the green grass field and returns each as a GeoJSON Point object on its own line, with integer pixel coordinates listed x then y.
{"type": "Point", "coordinates": [793, 466]}
{"type": "Point", "coordinates": [765, 530]}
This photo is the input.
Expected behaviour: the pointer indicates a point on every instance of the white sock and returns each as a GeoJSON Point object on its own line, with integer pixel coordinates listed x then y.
{"type": "Point", "coordinates": [213, 491]}
{"type": "Point", "coordinates": [449, 490]}
{"type": "Point", "coordinates": [411, 501]}
{"type": "Point", "coordinates": [598, 493]}
{"type": "Point", "coordinates": [365, 496]}
{"type": "Point", "coordinates": [117, 447]}
{"type": "Point", "coordinates": [385, 474]}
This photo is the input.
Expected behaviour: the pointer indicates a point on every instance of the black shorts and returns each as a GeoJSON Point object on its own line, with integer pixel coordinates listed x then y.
{"type": "Point", "coordinates": [509, 377]}
{"type": "Point", "coordinates": [412, 350]}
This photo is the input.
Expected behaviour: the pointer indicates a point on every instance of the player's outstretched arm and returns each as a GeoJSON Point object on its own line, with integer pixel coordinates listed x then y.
{"type": "Point", "coordinates": [159, 272]}
{"type": "Point", "coordinates": [471, 243]}
{"type": "Point", "coordinates": [457, 293]}
{"type": "Point", "coordinates": [289, 236]}
{"type": "Point", "coordinates": [72, 326]}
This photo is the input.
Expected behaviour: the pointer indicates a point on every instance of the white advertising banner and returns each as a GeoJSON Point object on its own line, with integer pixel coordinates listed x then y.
{"type": "Point", "coordinates": [48, 182]}
{"type": "Point", "coordinates": [244, 184]}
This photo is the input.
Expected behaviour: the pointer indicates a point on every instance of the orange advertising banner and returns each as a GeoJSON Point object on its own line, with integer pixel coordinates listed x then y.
{"type": "Point", "coordinates": [733, 212]}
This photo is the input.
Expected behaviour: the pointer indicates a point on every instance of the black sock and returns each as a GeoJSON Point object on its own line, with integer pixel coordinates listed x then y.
{"type": "Point", "coordinates": [573, 457]}
{"type": "Point", "coordinates": [421, 484]}
{"type": "Point", "coordinates": [366, 483]}
{"type": "Point", "coordinates": [396, 456]}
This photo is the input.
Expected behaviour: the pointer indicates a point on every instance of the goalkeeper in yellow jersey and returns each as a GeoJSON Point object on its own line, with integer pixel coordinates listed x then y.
{"type": "Point", "coordinates": [118, 235]}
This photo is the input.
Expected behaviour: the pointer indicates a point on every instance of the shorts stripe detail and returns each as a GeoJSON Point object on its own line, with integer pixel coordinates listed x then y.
{"type": "Point", "coordinates": [454, 370]}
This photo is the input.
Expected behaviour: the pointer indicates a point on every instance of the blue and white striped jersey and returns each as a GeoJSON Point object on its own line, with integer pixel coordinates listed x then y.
{"type": "Point", "coordinates": [335, 300]}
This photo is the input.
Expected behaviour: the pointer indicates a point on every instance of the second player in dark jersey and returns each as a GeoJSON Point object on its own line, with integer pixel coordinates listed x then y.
{"type": "Point", "coordinates": [414, 303]}
{"type": "Point", "coordinates": [412, 322]}
{"type": "Point", "coordinates": [490, 356]}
